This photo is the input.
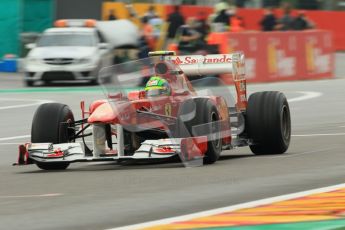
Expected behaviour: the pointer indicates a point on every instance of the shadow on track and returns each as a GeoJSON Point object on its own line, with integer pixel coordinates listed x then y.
{"type": "Point", "coordinates": [173, 163]}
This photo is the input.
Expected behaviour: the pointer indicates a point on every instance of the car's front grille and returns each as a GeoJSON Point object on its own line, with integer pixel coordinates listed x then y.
{"type": "Point", "coordinates": [85, 73]}
{"type": "Point", "coordinates": [57, 76]}
{"type": "Point", "coordinates": [58, 61]}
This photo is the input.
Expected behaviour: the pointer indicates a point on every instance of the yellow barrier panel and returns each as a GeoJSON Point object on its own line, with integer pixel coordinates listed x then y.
{"type": "Point", "coordinates": [121, 11]}
{"type": "Point", "coordinates": [119, 8]}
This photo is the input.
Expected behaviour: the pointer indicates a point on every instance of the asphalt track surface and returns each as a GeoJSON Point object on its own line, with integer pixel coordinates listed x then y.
{"type": "Point", "coordinates": [106, 195]}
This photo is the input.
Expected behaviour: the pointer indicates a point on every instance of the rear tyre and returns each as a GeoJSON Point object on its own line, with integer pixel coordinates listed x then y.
{"type": "Point", "coordinates": [268, 123]}
{"type": "Point", "coordinates": [47, 127]}
{"type": "Point", "coordinates": [197, 112]}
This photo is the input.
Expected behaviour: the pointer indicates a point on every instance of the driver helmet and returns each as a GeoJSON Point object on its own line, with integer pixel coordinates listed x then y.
{"type": "Point", "coordinates": [157, 86]}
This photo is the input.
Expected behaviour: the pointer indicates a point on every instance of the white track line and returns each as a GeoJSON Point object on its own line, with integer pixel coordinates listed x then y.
{"type": "Point", "coordinates": [32, 196]}
{"type": "Point", "coordinates": [35, 102]}
{"type": "Point", "coordinates": [318, 134]}
{"type": "Point", "coordinates": [14, 138]}
{"type": "Point", "coordinates": [231, 208]}
{"type": "Point", "coordinates": [307, 96]}
{"type": "Point", "coordinates": [11, 143]}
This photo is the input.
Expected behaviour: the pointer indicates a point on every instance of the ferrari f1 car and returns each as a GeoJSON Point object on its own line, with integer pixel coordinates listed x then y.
{"type": "Point", "coordinates": [132, 124]}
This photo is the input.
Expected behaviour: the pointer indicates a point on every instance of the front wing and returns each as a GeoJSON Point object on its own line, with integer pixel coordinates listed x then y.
{"type": "Point", "coordinates": [185, 148]}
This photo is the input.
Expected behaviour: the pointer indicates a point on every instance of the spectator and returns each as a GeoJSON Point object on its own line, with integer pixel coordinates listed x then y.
{"type": "Point", "coordinates": [269, 21]}
{"type": "Point", "coordinates": [156, 23]}
{"type": "Point", "coordinates": [152, 25]}
{"type": "Point", "coordinates": [175, 20]}
{"type": "Point", "coordinates": [144, 48]}
{"type": "Point", "coordinates": [222, 17]}
{"type": "Point", "coordinates": [271, 3]}
{"type": "Point", "coordinates": [189, 40]}
{"type": "Point", "coordinates": [112, 15]}
{"type": "Point", "coordinates": [240, 3]}
{"type": "Point", "coordinates": [221, 6]}
{"type": "Point", "coordinates": [286, 22]}
{"type": "Point", "coordinates": [309, 5]}
{"type": "Point", "coordinates": [301, 22]}
{"type": "Point", "coordinates": [222, 22]}
{"type": "Point", "coordinates": [131, 11]}
{"type": "Point", "coordinates": [151, 13]}
{"type": "Point", "coordinates": [236, 24]}
{"type": "Point", "coordinates": [201, 25]}
{"type": "Point", "coordinates": [147, 31]}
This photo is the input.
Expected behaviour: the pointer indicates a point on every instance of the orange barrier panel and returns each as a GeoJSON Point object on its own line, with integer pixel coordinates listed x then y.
{"type": "Point", "coordinates": [333, 21]}
{"type": "Point", "coordinates": [325, 20]}
{"type": "Point", "coordinates": [191, 11]}
{"type": "Point", "coordinates": [270, 56]}
{"type": "Point", "coordinates": [281, 56]}
{"type": "Point", "coordinates": [119, 8]}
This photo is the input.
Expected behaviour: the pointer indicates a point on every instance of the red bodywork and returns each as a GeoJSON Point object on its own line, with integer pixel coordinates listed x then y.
{"type": "Point", "coordinates": [120, 109]}
{"type": "Point", "coordinates": [145, 127]}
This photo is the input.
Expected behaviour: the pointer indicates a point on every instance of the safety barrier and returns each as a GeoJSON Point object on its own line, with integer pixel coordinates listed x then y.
{"type": "Point", "coordinates": [270, 56]}
{"type": "Point", "coordinates": [281, 56]}
{"type": "Point", "coordinates": [324, 20]}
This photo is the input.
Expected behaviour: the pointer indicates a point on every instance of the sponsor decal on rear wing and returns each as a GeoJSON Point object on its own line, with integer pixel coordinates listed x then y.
{"type": "Point", "coordinates": [211, 64]}
{"type": "Point", "coordinates": [209, 59]}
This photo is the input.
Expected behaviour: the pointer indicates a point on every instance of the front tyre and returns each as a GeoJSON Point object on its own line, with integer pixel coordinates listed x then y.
{"type": "Point", "coordinates": [268, 123]}
{"type": "Point", "coordinates": [48, 127]}
{"type": "Point", "coordinates": [202, 111]}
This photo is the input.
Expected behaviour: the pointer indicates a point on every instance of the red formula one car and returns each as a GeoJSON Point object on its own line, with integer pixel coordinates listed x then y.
{"type": "Point", "coordinates": [130, 124]}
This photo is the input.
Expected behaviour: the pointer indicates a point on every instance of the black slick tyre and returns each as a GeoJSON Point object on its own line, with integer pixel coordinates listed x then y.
{"type": "Point", "coordinates": [46, 127]}
{"type": "Point", "coordinates": [200, 111]}
{"type": "Point", "coordinates": [268, 123]}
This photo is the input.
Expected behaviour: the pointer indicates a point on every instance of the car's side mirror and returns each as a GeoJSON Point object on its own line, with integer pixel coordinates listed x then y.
{"type": "Point", "coordinates": [30, 46]}
{"type": "Point", "coordinates": [103, 46]}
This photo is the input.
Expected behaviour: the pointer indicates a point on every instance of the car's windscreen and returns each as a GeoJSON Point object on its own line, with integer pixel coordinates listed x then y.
{"type": "Point", "coordinates": [66, 40]}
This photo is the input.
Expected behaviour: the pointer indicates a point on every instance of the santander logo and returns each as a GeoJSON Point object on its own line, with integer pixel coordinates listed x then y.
{"type": "Point", "coordinates": [194, 59]}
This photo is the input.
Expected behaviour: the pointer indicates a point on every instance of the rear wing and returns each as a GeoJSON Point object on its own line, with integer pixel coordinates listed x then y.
{"type": "Point", "coordinates": [233, 64]}
{"type": "Point", "coordinates": [211, 64]}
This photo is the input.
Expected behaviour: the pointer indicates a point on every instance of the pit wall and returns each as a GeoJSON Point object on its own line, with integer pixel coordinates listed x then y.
{"type": "Point", "coordinates": [270, 56]}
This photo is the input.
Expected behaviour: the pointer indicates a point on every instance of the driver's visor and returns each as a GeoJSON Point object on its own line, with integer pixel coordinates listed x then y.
{"type": "Point", "coordinates": [154, 91]}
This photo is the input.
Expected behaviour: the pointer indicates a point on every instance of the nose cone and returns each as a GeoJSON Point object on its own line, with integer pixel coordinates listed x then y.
{"type": "Point", "coordinates": [113, 112]}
